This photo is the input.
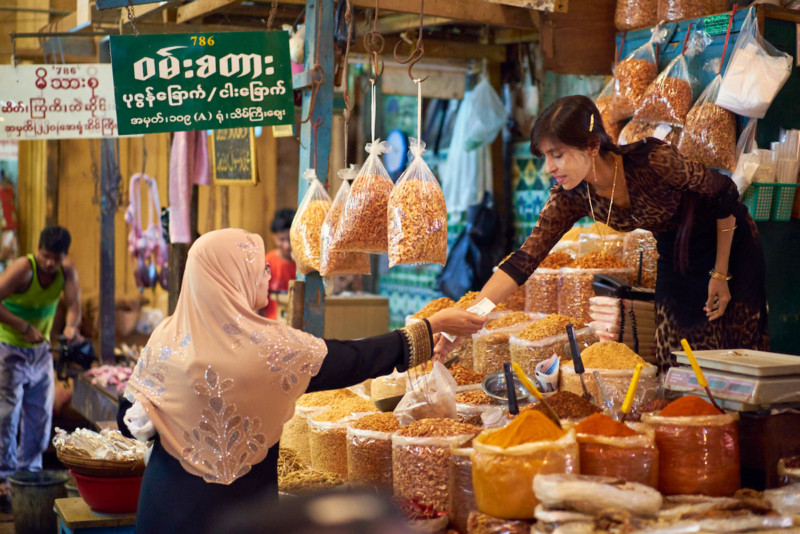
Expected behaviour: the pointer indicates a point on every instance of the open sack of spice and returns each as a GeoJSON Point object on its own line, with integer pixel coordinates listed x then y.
{"type": "Point", "coordinates": [756, 72]}
{"type": "Point", "coordinates": [669, 98]}
{"type": "Point", "coordinates": [305, 232]}
{"type": "Point", "coordinates": [417, 215]}
{"type": "Point", "coordinates": [611, 125]}
{"type": "Point", "coordinates": [709, 136]}
{"type": "Point", "coordinates": [632, 76]}
{"type": "Point", "coordinates": [331, 261]}
{"type": "Point", "coordinates": [429, 395]}
{"type": "Point", "coordinates": [363, 225]}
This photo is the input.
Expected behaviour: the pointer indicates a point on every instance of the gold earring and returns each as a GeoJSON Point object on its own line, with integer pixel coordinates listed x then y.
{"type": "Point", "coordinates": [594, 169]}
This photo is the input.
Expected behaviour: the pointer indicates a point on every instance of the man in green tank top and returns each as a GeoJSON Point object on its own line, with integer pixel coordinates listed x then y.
{"type": "Point", "coordinates": [30, 289]}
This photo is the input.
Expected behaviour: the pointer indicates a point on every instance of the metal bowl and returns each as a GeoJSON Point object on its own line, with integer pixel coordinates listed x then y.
{"type": "Point", "coordinates": [388, 404]}
{"type": "Point", "coordinates": [494, 385]}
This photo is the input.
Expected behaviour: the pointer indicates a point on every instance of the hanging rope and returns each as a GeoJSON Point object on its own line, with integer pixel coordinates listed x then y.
{"type": "Point", "coordinates": [317, 72]}
{"type": "Point", "coordinates": [348, 18]}
{"type": "Point", "coordinates": [271, 18]}
{"type": "Point", "coordinates": [373, 44]}
{"type": "Point", "coordinates": [132, 17]}
{"type": "Point", "coordinates": [419, 50]}
{"type": "Point", "coordinates": [316, 124]}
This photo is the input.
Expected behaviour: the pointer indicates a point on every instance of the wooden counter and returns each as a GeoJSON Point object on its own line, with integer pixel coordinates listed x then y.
{"type": "Point", "coordinates": [94, 402]}
{"type": "Point", "coordinates": [350, 317]}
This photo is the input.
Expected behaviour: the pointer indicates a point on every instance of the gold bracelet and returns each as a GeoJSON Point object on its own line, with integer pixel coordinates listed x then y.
{"type": "Point", "coordinates": [714, 274]}
{"type": "Point", "coordinates": [418, 338]}
{"type": "Point", "coordinates": [731, 229]}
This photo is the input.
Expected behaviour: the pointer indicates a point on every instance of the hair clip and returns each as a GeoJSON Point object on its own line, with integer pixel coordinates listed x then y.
{"type": "Point", "coordinates": [591, 122]}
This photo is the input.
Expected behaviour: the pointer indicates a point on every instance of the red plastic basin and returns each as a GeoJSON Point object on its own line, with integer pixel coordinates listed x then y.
{"type": "Point", "coordinates": [109, 495]}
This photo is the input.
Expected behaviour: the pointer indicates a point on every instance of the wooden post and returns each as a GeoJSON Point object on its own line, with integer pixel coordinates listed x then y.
{"type": "Point", "coordinates": [297, 290]}
{"type": "Point", "coordinates": [319, 37]}
{"type": "Point", "coordinates": [109, 192]}
{"type": "Point", "coordinates": [178, 252]}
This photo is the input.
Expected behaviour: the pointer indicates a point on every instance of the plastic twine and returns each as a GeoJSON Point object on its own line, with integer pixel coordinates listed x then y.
{"type": "Point", "coordinates": [727, 37]}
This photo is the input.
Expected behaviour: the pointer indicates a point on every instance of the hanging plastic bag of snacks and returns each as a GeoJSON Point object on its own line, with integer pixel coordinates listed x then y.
{"type": "Point", "coordinates": [670, 10]}
{"type": "Point", "coordinates": [332, 262]}
{"type": "Point", "coordinates": [709, 136]}
{"type": "Point", "coordinates": [669, 98]}
{"type": "Point", "coordinates": [363, 225]}
{"type": "Point", "coordinates": [633, 14]}
{"type": "Point", "coordinates": [632, 77]}
{"type": "Point", "coordinates": [637, 130]}
{"type": "Point", "coordinates": [603, 103]}
{"type": "Point", "coordinates": [306, 230]}
{"type": "Point", "coordinates": [417, 215]}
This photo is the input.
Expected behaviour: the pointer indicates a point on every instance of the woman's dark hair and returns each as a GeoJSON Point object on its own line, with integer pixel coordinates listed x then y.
{"type": "Point", "coordinates": [568, 120]}
{"type": "Point", "coordinates": [282, 220]}
{"type": "Point", "coordinates": [55, 239]}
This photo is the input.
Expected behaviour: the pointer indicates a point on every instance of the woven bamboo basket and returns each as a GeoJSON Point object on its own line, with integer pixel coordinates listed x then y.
{"type": "Point", "coordinates": [101, 468]}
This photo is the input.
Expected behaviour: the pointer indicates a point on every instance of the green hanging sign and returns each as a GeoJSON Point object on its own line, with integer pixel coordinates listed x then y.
{"type": "Point", "coordinates": [201, 81]}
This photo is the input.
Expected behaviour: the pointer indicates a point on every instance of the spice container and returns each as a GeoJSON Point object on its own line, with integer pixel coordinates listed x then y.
{"type": "Point", "coordinates": [506, 460]}
{"type": "Point", "coordinates": [709, 136]}
{"type": "Point", "coordinates": [698, 454]}
{"type": "Point", "coordinates": [641, 241]}
{"type": "Point", "coordinates": [516, 300]}
{"type": "Point", "coordinates": [575, 289]}
{"type": "Point", "coordinates": [296, 433]}
{"type": "Point", "coordinates": [538, 341]}
{"type": "Point", "coordinates": [566, 404]}
{"type": "Point", "coordinates": [421, 460]}
{"type": "Point", "coordinates": [462, 494]}
{"type": "Point", "coordinates": [541, 291]}
{"type": "Point", "coordinates": [305, 233]}
{"type": "Point", "coordinates": [328, 440]}
{"type": "Point", "coordinates": [472, 405]}
{"type": "Point", "coordinates": [634, 14]}
{"type": "Point", "coordinates": [613, 449]}
{"type": "Point", "coordinates": [490, 347]}
{"type": "Point", "coordinates": [369, 451]}
{"type": "Point", "coordinates": [610, 245]}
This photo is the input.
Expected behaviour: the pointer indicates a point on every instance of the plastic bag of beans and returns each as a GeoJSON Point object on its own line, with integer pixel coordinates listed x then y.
{"type": "Point", "coordinates": [364, 223]}
{"type": "Point", "coordinates": [369, 451]}
{"type": "Point", "coordinates": [332, 262]}
{"type": "Point", "coordinates": [528, 353]}
{"type": "Point", "coordinates": [709, 136]}
{"type": "Point", "coordinates": [305, 233]}
{"type": "Point", "coordinates": [631, 78]}
{"type": "Point", "coordinates": [669, 98]}
{"type": "Point", "coordinates": [640, 246]}
{"type": "Point", "coordinates": [670, 10]}
{"type": "Point", "coordinates": [604, 106]}
{"type": "Point", "coordinates": [417, 215]}
{"type": "Point", "coordinates": [697, 454]}
{"type": "Point", "coordinates": [541, 291]}
{"type": "Point", "coordinates": [462, 494]}
{"type": "Point", "coordinates": [575, 288]}
{"type": "Point", "coordinates": [633, 14]}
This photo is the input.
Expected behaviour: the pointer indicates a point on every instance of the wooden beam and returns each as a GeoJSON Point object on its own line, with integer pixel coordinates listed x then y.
{"type": "Point", "coordinates": [401, 23]}
{"type": "Point", "coordinates": [201, 8]}
{"type": "Point", "coordinates": [444, 81]}
{"type": "Point", "coordinates": [441, 49]}
{"type": "Point", "coordinates": [549, 6]}
{"type": "Point", "coordinates": [508, 37]}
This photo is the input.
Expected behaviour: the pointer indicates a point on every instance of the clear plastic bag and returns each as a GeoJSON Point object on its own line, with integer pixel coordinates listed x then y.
{"type": "Point", "coordinates": [488, 116]}
{"type": "Point", "coordinates": [669, 98]}
{"type": "Point", "coordinates": [328, 444]}
{"type": "Point", "coordinates": [541, 291]}
{"type": "Point", "coordinates": [527, 354]}
{"type": "Point", "coordinates": [590, 495]}
{"type": "Point", "coordinates": [709, 136]}
{"type": "Point", "coordinates": [332, 262]}
{"type": "Point", "coordinates": [604, 106]}
{"type": "Point", "coordinates": [575, 288]}
{"type": "Point", "coordinates": [369, 459]}
{"type": "Point", "coordinates": [631, 78]}
{"type": "Point", "coordinates": [490, 348]}
{"type": "Point", "coordinates": [429, 395]}
{"type": "Point", "coordinates": [630, 458]}
{"type": "Point", "coordinates": [633, 14]}
{"type": "Point", "coordinates": [670, 10]}
{"type": "Point", "coordinates": [502, 476]}
{"type": "Point", "coordinates": [747, 157]}
{"type": "Point", "coordinates": [305, 233]}
{"type": "Point", "coordinates": [364, 223]}
{"type": "Point", "coordinates": [608, 244]}
{"type": "Point", "coordinates": [755, 73]}
{"type": "Point", "coordinates": [296, 434]}
{"type": "Point", "coordinates": [616, 382]}
{"type": "Point", "coordinates": [641, 242]}
{"type": "Point", "coordinates": [697, 455]}
{"type": "Point", "coordinates": [462, 494]}
{"type": "Point", "coordinates": [417, 215]}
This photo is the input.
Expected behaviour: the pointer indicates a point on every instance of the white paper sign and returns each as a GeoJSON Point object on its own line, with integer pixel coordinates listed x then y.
{"type": "Point", "coordinates": [57, 101]}
{"type": "Point", "coordinates": [481, 309]}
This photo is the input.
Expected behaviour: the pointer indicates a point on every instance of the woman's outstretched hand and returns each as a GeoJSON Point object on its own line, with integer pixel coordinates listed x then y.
{"type": "Point", "coordinates": [456, 322]}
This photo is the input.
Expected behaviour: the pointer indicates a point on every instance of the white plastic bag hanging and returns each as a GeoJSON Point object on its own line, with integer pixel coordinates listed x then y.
{"type": "Point", "coordinates": [417, 215]}
{"type": "Point", "coordinates": [747, 158]}
{"type": "Point", "coordinates": [332, 261]}
{"type": "Point", "coordinates": [756, 72]}
{"type": "Point", "coordinates": [487, 118]}
{"type": "Point", "coordinates": [305, 234]}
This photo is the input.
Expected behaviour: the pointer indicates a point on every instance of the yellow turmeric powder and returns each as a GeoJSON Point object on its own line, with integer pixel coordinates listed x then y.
{"type": "Point", "coordinates": [527, 427]}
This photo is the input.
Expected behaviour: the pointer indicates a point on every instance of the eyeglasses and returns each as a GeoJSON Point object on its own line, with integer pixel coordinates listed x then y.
{"type": "Point", "coordinates": [267, 269]}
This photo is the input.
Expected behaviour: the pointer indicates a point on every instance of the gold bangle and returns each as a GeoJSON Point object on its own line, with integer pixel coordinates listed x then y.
{"type": "Point", "coordinates": [731, 229]}
{"type": "Point", "coordinates": [719, 276]}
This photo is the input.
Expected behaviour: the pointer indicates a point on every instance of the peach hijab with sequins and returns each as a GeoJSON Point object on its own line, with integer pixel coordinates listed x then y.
{"type": "Point", "coordinates": [217, 380]}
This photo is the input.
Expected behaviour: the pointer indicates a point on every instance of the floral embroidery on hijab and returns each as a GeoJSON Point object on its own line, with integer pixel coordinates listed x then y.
{"type": "Point", "coordinates": [250, 249]}
{"type": "Point", "coordinates": [150, 370]}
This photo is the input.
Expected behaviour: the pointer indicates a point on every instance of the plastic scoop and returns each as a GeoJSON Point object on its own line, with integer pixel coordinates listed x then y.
{"type": "Point", "coordinates": [604, 396]}
{"type": "Point", "coordinates": [513, 407]}
{"type": "Point", "coordinates": [548, 410]}
{"type": "Point", "coordinates": [626, 405]}
{"type": "Point", "coordinates": [578, 362]}
{"type": "Point", "coordinates": [701, 378]}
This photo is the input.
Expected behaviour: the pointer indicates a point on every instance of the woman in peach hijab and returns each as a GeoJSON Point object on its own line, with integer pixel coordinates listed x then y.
{"type": "Point", "coordinates": [216, 382]}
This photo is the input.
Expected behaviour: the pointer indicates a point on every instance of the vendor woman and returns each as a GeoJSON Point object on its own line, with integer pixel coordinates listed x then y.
{"type": "Point", "coordinates": [711, 269]}
{"type": "Point", "coordinates": [216, 382]}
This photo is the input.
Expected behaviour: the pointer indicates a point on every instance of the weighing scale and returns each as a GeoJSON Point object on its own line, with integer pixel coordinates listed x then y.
{"type": "Point", "coordinates": [741, 379]}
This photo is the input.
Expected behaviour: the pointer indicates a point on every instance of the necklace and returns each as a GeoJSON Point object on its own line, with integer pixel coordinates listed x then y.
{"type": "Point", "coordinates": [610, 204]}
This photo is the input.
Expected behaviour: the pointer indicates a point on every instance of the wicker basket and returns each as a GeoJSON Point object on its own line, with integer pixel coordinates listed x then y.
{"type": "Point", "coordinates": [101, 468]}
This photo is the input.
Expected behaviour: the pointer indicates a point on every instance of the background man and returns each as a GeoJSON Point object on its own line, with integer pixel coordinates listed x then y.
{"type": "Point", "coordinates": [280, 259]}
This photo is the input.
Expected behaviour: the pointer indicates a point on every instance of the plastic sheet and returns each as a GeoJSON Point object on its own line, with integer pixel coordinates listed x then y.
{"type": "Point", "coordinates": [462, 494]}
{"type": "Point", "coordinates": [541, 291]}
{"type": "Point", "coordinates": [631, 458]}
{"type": "Point", "coordinates": [697, 455]}
{"type": "Point", "coordinates": [421, 469]}
{"type": "Point", "coordinates": [417, 215]}
{"type": "Point", "coordinates": [364, 223]}
{"type": "Point", "coordinates": [305, 233]}
{"type": "Point", "coordinates": [709, 136]}
{"type": "Point", "coordinates": [369, 459]}
{"type": "Point", "coordinates": [332, 262]}
{"type": "Point", "coordinates": [529, 353]}
{"type": "Point", "coordinates": [641, 241]}
{"type": "Point", "coordinates": [575, 288]}
{"type": "Point", "coordinates": [503, 478]}
{"type": "Point", "coordinates": [634, 14]}
{"type": "Point", "coordinates": [430, 395]}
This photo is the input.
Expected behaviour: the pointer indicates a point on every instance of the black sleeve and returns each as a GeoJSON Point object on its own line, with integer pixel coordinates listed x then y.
{"type": "Point", "coordinates": [351, 362]}
{"type": "Point", "coordinates": [124, 404]}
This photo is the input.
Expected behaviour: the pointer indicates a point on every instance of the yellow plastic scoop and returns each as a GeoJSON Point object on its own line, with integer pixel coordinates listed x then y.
{"type": "Point", "coordinates": [701, 378]}
{"type": "Point", "coordinates": [626, 405]}
{"type": "Point", "coordinates": [536, 393]}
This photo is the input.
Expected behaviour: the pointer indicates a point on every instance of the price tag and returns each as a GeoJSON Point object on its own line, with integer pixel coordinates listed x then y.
{"type": "Point", "coordinates": [662, 131]}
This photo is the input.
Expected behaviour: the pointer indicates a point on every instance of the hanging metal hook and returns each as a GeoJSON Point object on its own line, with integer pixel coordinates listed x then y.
{"type": "Point", "coordinates": [315, 125]}
{"type": "Point", "coordinates": [373, 44]}
{"type": "Point", "coordinates": [419, 49]}
{"type": "Point", "coordinates": [317, 77]}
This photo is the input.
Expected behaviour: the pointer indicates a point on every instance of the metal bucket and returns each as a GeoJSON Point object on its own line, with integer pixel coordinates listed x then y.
{"type": "Point", "coordinates": [32, 496]}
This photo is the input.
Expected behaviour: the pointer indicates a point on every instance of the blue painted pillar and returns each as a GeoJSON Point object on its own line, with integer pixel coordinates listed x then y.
{"type": "Point", "coordinates": [316, 39]}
